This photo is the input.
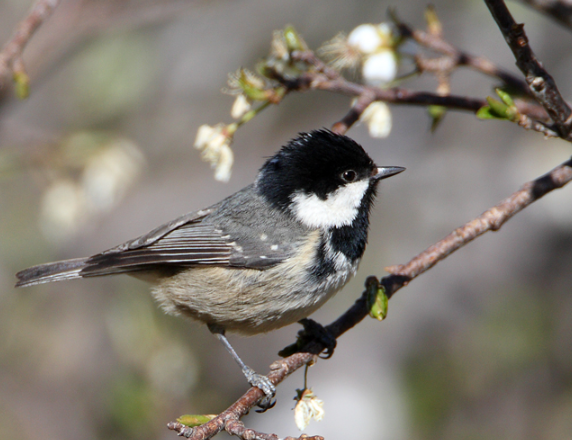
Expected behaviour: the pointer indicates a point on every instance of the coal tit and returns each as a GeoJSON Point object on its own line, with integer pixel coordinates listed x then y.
{"type": "Point", "coordinates": [265, 257]}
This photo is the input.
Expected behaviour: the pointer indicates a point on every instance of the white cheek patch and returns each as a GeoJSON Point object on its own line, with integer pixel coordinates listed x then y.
{"type": "Point", "coordinates": [339, 209]}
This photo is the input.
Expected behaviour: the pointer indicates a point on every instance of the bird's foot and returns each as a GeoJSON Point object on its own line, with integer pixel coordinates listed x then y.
{"type": "Point", "coordinates": [262, 382]}
{"type": "Point", "coordinates": [311, 332]}
{"type": "Point", "coordinates": [315, 331]}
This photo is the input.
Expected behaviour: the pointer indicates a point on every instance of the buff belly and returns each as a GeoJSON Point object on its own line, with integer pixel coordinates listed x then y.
{"type": "Point", "coordinates": [250, 301]}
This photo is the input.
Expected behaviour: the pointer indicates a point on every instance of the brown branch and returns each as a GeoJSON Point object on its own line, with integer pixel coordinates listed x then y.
{"type": "Point", "coordinates": [237, 428]}
{"type": "Point", "coordinates": [11, 54]}
{"type": "Point", "coordinates": [542, 85]}
{"type": "Point", "coordinates": [559, 10]}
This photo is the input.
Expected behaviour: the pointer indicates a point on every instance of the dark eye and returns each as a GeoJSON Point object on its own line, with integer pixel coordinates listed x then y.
{"type": "Point", "coordinates": [349, 176]}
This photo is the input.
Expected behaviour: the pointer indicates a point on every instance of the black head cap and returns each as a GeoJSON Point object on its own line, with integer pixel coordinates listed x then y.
{"type": "Point", "coordinates": [313, 163]}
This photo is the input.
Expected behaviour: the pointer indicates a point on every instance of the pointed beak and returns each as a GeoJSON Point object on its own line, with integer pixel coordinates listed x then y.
{"type": "Point", "coordinates": [385, 172]}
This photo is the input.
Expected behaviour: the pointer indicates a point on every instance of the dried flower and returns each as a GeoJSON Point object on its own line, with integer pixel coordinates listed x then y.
{"type": "Point", "coordinates": [308, 407]}
{"type": "Point", "coordinates": [110, 172]}
{"type": "Point", "coordinates": [214, 144]}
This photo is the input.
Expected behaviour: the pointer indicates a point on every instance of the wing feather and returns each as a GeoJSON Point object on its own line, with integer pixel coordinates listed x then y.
{"type": "Point", "coordinates": [200, 238]}
{"type": "Point", "coordinates": [190, 243]}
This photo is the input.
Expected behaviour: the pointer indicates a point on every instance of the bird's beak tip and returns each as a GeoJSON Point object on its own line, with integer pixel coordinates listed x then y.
{"type": "Point", "coordinates": [385, 172]}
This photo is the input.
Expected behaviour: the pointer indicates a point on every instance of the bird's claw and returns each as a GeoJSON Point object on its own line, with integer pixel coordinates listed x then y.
{"type": "Point", "coordinates": [316, 331]}
{"type": "Point", "coordinates": [264, 384]}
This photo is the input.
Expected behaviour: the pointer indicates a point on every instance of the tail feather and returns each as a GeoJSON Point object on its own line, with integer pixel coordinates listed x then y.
{"type": "Point", "coordinates": [46, 273]}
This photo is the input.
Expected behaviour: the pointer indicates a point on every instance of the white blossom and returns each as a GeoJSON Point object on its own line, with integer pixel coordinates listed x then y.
{"type": "Point", "coordinates": [214, 144]}
{"type": "Point", "coordinates": [377, 117]}
{"type": "Point", "coordinates": [109, 174]}
{"type": "Point", "coordinates": [63, 209]}
{"type": "Point", "coordinates": [240, 107]}
{"type": "Point", "coordinates": [365, 38]}
{"type": "Point", "coordinates": [307, 408]}
{"type": "Point", "coordinates": [380, 68]}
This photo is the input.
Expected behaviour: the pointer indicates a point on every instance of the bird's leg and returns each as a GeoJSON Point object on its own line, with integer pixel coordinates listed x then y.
{"type": "Point", "coordinates": [253, 378]}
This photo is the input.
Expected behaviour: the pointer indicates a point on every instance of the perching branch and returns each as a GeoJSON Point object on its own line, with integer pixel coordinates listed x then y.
{"type": "Point", "coordinates": [279, 370]}
{"type": "Point", "coordinates": [541, 83]}
{"type": "Point", "coordinates": [237, 428]}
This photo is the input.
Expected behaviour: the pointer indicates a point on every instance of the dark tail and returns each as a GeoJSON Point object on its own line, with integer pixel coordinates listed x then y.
{"type": "Point", "coordinates": [46, 273]}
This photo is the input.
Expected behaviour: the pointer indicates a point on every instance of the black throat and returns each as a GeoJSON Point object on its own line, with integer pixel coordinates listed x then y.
{"type": "Point", "coordinates": [349, 240]}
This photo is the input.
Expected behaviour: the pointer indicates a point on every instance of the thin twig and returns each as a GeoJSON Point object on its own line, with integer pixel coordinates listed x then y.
{"type": "Point", "coordinates": [11, 54]}
{"type": "Point", "coordinates": [542, 85]}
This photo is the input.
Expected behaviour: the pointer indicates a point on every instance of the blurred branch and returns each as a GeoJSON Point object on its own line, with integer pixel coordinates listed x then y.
{"type": "Point", "coordinates": [542, 85]}
{"type": "Point", "coordinates": [11, 64]}
{"type": "Point", "coordinates": [401, 275]}
{"type": "Point", "coordinates": [559, 10]}
{"type": "Point", "coordinates": [77, 20]}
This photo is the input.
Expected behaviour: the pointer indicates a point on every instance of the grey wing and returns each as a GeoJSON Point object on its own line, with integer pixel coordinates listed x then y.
{"type": "Point", "coordinates": [184, 242]}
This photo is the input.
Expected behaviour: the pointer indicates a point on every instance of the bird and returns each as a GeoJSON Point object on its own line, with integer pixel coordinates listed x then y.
{"type": "Point", "coordinates": [266, 256]}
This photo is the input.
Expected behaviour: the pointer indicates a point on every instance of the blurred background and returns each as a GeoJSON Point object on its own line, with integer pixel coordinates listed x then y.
{"type": "Point", "coordinates": [102, 151]}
